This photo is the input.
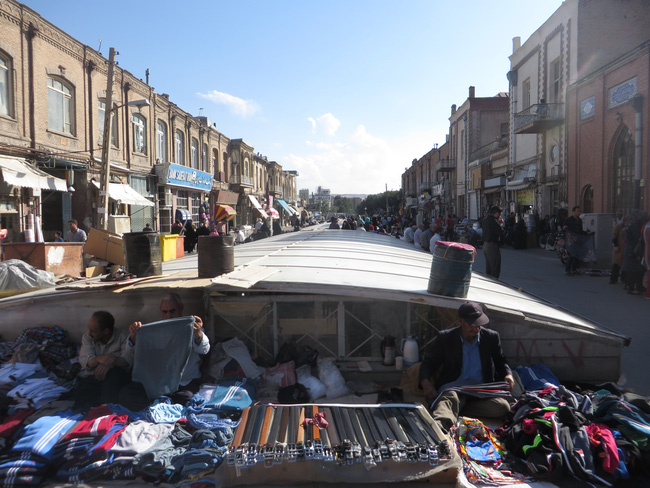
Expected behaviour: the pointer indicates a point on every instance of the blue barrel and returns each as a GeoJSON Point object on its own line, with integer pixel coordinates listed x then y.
{"type": "Point", "coordinates": [142, 253]}
{"type": "Point", "coordinates": [451, 269]}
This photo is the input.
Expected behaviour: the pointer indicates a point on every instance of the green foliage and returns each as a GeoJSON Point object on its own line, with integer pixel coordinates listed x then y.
{"type": "Point", "coordinates": [342, 204]}
{"type": "Point", "coordinates": [377, 203]}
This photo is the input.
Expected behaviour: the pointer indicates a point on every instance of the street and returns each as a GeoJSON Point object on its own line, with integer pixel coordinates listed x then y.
{"type": "Point", "coordinates": [539, 272]}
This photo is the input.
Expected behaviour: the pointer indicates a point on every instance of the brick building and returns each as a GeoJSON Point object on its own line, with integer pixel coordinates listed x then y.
{"type": "Point", "coordinates": [164, 162]}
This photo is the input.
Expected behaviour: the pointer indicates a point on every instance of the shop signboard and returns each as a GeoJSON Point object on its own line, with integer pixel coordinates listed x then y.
{"type": "Point", "coordinates": [177, 175]}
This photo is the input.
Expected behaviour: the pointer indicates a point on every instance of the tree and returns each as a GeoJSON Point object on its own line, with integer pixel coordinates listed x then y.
{"type": "Point", "coordinates": [342, 204]}
{"type": "Point", "coordinates": [376, 204]}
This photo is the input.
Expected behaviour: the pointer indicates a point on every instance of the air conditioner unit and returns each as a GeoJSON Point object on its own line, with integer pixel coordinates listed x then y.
{"type": "Point", "coordinates": [167, 200]}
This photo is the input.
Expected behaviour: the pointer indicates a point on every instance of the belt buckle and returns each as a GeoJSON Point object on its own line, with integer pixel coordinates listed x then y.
{"type": "Point", "coordinates": [278, 454]}
{"type": "Point", "coordinates": [292, 452]}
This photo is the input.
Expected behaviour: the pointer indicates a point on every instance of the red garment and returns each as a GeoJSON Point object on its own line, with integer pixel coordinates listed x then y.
{"type": "Point", "coordinates": [98, 422]}
{"type": "Point", "coordinates": [12, 423]}
{"type": "Point", "coordinates": [601, 437]}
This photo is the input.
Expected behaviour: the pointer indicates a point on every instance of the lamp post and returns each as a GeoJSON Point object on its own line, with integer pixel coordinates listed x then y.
{"type": "Point", "coordinates": [105, 177]}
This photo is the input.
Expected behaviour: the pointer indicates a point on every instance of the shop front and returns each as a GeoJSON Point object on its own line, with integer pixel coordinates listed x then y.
{"type": "Point", "coordinates": [22, 189]}
{"type": "Point", "coordinates": [181, 188]}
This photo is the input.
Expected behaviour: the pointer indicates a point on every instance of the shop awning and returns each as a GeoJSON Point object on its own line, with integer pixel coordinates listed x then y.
{"type": "Point", "coordinates": [224, 212]}
{"type": "Point", "coordinates": [183, 215]}
{"type": "Point", "coordinates": [295, 210]}
{"type": "Point", "coordinates": [17, 172]}
{"type": "Point", "coordinates": [285, 206]}
{"type": "Point", "coordinates": [257, 206]}
{"type": "Point", "coordinates": [519, 184]}
{"type": "Point", "coordinates": [125, 194]}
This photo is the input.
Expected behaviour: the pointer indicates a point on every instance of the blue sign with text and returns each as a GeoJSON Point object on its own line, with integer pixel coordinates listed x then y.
{"type": "Point", "coordinates": [184, 176]}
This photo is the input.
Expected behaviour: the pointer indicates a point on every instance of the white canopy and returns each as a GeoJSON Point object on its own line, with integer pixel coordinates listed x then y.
{"type": "Point", "coordinates": [18, 172]}
{"type": "Point", "coordinates": [125, 194]}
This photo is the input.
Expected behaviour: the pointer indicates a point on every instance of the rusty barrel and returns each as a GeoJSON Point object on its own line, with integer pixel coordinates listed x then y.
{"type": "Point", "coordinates": [216, 255]}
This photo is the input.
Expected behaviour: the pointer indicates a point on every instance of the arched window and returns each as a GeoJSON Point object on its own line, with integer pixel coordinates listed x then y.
{"type": "Point", "coordinates": [6, 88]}
{"type": "Point", "coordinates": [623, 172]}
{"type": "Point", "coordinates": [179, 146]}
{"type": "Point", "coordinates": [101, 118]}
{"type": "Point", "coordinates": [195, 153]}
{"type": "Point", "coordinates": [161, 141]}
{"type": "Point", "coordinates": [139, 133]}
{"type": "Point", "coordinates": [60, 106]}
{"type": "Point", "coordinates": [588, 199]}
{"type": "Point", "coordinates": [205, 160]}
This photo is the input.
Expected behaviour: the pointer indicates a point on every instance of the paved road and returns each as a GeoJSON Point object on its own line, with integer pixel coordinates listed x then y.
{"type": "Point", "coordinates": [540, 273]}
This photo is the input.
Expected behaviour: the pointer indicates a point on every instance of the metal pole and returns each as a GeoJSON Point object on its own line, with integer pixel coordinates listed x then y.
{"type": "Point", "coordinates": [105, 178]}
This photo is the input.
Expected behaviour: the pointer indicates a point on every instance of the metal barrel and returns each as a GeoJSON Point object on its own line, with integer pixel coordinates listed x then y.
{"type": "Point", "coordinates": [216, 255]}
{"type": "Point", "coordinates": [142, 253]}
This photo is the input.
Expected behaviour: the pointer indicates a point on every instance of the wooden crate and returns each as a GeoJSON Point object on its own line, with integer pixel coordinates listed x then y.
{"type": "Point", "coordinates": [60, 258]}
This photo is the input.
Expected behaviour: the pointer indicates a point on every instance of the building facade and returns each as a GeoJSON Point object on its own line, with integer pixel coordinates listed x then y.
{"type": "Point", "coordinates": [165, 164]}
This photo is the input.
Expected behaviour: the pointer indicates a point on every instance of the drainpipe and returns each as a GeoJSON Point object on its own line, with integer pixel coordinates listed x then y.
{"type": "Point", "coordinates": [90, 66]}
{"type": "Point", "coordinates": [637, 103]}
{"type": "Point", "coordinates": [31, 34]}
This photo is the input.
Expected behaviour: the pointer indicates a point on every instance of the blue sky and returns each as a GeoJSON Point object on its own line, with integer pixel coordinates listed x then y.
{"type": "Point", "coordinates": [346, 92]}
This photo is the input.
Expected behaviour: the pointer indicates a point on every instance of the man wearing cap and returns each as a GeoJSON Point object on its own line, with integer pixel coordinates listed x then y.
{"type": "Point", "coordinates": [464, 355]}
{"type": "Point", "coordinates": [492, 240]}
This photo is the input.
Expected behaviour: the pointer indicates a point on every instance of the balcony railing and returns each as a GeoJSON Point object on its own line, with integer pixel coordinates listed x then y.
{"type": "Point", "coordinates": [241, 180]}
{"type": "Point", "coordinates": [538, 118]}
{"type": "Point", "coordinates": [276, 189]}
{"type": "Point", "coordinates": [446, 165]}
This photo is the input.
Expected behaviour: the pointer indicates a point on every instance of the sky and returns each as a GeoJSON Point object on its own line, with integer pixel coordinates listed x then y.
{"type": "Point", "coordinates": [346, 92]}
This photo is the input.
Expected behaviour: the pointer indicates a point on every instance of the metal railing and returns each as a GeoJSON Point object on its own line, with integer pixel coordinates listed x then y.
{"type": "Point", "coordinates": [540, 112]}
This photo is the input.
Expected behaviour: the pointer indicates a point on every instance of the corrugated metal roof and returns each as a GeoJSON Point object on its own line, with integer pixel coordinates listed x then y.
{"type": "Point", "coordinates": [340, 262]}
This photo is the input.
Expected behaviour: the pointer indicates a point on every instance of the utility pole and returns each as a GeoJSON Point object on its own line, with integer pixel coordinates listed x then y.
{"type": "Point", "coordinates": [105, 178]}
{"type": "Point", "coordinates": [386, 199]}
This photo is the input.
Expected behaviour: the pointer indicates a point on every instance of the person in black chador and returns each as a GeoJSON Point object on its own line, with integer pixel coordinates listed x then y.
{"type": "Point", "coordinates": [492, 240]}
{"type": "Point", "coordinates": [190, 236]}
{"type": "Point", "coordinates": [573, 225]}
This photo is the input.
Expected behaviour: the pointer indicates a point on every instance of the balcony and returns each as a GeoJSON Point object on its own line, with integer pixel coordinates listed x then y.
{"type": "Point", "coordinates": [424, 187]}
{"type": "Point", "coordinates": [276, 190]}
{"type": "Point", "coordinates": [539, 118]}
{"type": "Point", "coordinates": [446, 165]}
{"type": "Point", "coordinates": [240, 180]}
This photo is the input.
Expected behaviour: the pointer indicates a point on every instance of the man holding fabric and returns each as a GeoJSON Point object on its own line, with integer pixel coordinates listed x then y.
{"type": "Point", "coordinates": [469, 354]}
{"type": "Point", "coordinates": [171, 306]}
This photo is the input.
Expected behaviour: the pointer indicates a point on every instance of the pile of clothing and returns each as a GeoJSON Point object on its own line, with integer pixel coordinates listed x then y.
{"type": "Point", "coordinates": [574, 437]}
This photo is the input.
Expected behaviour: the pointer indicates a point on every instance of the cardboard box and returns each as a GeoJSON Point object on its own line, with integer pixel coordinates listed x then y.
{"type": "Point", "coordinates": [105, 245]}
{"type": "Point", "coordinates": [93, 271]}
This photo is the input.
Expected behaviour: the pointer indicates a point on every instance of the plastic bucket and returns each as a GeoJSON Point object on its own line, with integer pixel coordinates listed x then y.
{"type": "Point", "coordinates": [216, 255]}
{"type": "Point", "coordinates": [451, 269]}
{"type": "Point", "coordinates": [142, 253]}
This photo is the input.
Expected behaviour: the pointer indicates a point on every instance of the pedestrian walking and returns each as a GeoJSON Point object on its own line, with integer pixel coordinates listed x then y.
{"type": "Point", "coordinates": [492, 240]}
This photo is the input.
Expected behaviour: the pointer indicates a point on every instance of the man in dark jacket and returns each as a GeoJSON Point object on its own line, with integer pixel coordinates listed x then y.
{"type": "Point", "coordinates": [462, 356]}
{"type": "Point", "coordinates": [492, 240]}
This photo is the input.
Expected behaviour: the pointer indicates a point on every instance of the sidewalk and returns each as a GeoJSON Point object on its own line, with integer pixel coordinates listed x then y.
{"type": "Point", "coordinates": [539, 272]}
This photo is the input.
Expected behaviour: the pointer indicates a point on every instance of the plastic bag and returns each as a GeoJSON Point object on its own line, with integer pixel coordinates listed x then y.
{"type": "Point", "coordinates": [332, 378]}
{"type": "Point", "coordinates": [315, 386]}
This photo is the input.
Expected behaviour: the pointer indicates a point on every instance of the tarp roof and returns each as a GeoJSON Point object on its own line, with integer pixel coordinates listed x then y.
{"type": "Point", "coordinates": [17, 172]}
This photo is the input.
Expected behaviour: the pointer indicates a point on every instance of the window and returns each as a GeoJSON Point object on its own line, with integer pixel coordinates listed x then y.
{"type": "Point", "coordinates": [196, 206]}
{"type": "Point", "coordinates": [204, 157]}
{"type": "Point", "coordinates": [179, 147]}
{"type": "Point", "coordinates": [525, 94]}
{"type": "Point", "coordinates": [623, 169]}
{"type": "Point", "coordinates": [60, 106]}
{"type": "Point", "coordinates": [161, 141]}
{"type": "Point", "coordinates": [195, 153]}
{"type": "Point", "coordinates": [139, 133]}
{"type": "Point", "coordinates": [555, 82]}
{"type": "Point", "coordinates": [6, 90]}
{"type": "Point", "coordinates": [101, 111]}
{"type": "Point", "coordinates": [181, 199]}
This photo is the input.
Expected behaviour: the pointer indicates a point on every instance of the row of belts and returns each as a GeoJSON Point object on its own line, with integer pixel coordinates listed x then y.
{"type": "Point", "coordinates": [271, 434]}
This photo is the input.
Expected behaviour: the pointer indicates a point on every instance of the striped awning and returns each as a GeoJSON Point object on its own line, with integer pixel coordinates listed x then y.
{"type": "Point", "coordinates": [273, 213]}
{"type": "Point", "coordinates": [224, 212]}
{"type": "Point", "coordinates": [257, 206]}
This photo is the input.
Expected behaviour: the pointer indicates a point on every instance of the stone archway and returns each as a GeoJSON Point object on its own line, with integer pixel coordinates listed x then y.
{"type": "Point", "coordinates": [588, 199]}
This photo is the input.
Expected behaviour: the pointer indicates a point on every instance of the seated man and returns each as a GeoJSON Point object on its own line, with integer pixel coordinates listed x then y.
{"type": "Point", "coordinates": [134, 396]}
{"type": "Point", "coordinates": [465, 355]}
{"type": "Point", "coordinates": [105, 360]}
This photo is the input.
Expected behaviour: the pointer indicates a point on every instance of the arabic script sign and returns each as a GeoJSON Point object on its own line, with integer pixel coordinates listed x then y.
{"type": "Point", "coordinates": [177, 175]}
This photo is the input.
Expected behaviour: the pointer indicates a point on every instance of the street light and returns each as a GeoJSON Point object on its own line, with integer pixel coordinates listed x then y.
{"type": "Point", "coordinates": [105, 177]}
